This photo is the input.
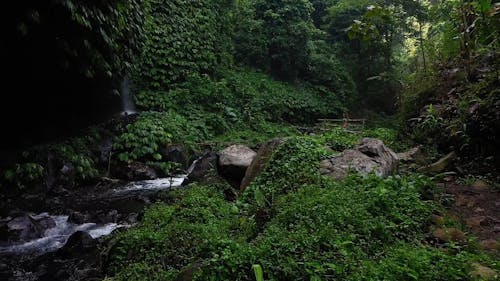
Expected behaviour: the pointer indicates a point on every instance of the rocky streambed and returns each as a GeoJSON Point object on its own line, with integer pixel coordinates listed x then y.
{"type": "Point", "coordinates": [64, 242]}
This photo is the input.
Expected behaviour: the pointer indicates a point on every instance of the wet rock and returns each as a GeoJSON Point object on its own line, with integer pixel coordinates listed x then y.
{"type": "Point", "coordinates": [236, 155]}
{"type": "Point", "coordinates": [135, 171]}
{"type": "Point", "coordinates": [371, 155]}
{"type": "Point", "coordinates": [261, 159]}
{"type": "Point", "coordinates": [175, 153]}
{"type": "Point", "coordinates": [105, 149]}
{"type": "Point", "coordinates": [78, 218]}
{"type": "Point", "coordinates": [107, 217]}
{"type": "Point", "coordinates": [132, 218]}
{"type": "Point", "coordinates": [496, 229]}
{"type": "Point", "coordinates": [78, 242]}
{"type": "Point", "coordinates": [204, 167]}
{"type": "Point", "coordinates": [140, 171]}
{"type": "Point", "coordinates": [234, 161]}
{"type": "Point", "coordinates": [58, 191]}
{"type": "Point", "coordinates": [67, 169]}
{"type": "Point", "coordinates": [27, 227]}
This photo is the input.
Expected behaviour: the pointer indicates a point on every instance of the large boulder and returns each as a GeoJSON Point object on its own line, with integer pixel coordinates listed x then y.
{"type": "Point", "coordinates": [234, 161]}
{"type": "Point", "coordinates": [371, 155]}
{"type": "Point", "coordinates": [78, 242]}
{"type": "Point", "coordinates": [259, 162]}
{"type": "Point", "coordinates": [27, 227]}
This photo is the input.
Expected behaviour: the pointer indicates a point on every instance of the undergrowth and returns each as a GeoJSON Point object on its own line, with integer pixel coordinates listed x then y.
{"type": "Point", "coordinates": [296, 225]}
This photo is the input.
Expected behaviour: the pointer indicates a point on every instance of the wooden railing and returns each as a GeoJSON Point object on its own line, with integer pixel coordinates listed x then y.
{"type": "Point", "coordinates": [344, 123]}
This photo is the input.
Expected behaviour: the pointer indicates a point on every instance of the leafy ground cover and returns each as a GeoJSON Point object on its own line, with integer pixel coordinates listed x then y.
{"type": "Point", "coordinates": [296, 225]}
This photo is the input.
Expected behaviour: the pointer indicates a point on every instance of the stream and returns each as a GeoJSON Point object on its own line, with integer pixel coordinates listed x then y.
{"type": "Point", "coordinates": [56, 236]}
{"type": "Point", "coordinates": [60, 228]}
{"type": "Point", "coordinates": [63, 245]}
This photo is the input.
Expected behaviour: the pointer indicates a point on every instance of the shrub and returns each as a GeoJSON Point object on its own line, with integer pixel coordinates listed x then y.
{"type": "Point", "coordinates": [23, 175]}
{"type": "Point", "coordinates": [314, 228]}
{"type": "Point", "coordinates": [199, 226]}
{"type": "Point", "coordinates": [143, 139]}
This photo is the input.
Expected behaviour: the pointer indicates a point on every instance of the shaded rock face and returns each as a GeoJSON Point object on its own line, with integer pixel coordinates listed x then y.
{"type": "Point", "coordinates": [77, 242]}
{"type": "Point", "coordinates": [174, 153]}
{"type": "Point", "coordinates": [258, 163]}
{"type": "Point", "coordinates": [26, 227]}
{"type": "Point", "coordinates": [234, 161]}
{"type": "Point", "coordinates": [135, 171]}
{"type": "Point", "coordinates": [204, 166]}
{"type": "Point", "coordinates": [371, 155]}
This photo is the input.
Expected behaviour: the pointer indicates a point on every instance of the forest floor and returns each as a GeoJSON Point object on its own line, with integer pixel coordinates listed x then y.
{"type": "Point", "coordinates": [478, 207]}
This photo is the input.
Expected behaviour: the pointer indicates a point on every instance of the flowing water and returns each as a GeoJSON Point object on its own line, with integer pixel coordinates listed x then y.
{"type": "Point", "coordinates": [55, 237]}
{"type": "Point", "coordinates": [152, 185]}
{"type": "Point", "coordinates": [158, 184]}
{"type": "Point", "coordinates": [127, 99]}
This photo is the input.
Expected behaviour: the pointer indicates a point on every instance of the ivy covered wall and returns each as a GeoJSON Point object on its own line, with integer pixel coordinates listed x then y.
{"type": "Point", "coordinates": [183, 37]}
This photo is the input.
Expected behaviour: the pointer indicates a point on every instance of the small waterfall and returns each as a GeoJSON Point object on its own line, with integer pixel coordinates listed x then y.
{"type": "Point", "coordinates": [160, 183]}
{"type": "Point", "coordinates": [56, 236]}
{"type": "Point", "coordinates": [127, 99]}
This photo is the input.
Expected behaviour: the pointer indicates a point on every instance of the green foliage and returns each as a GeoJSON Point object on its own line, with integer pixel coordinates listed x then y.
{"type": "Point", "coordinates": [113, 35]}
{"type": "Point", "coordinates": [201, 225]}
{"type": "Point", "coordinates": [406, 262]}
{"type": "Point", "coordinates": [280, 38]}
{"type": "Point", "coordinates": [367, 36]}
{"type": "Point", "coordinates": [141, 271]}
{"type": "Point", "coordinates": [339, 139]}
{"type": "Point", "coordinates": [244, 97]}
{"type": "Point", "coordinates": [76, 154]}
{"type": "Point", "coordinates": [429, 121]}
{"type": "Point", "coordinates": [328, 73]}
{"type": "Point", "coordinates": [260, 133]}
{"type": "Point", "coordinates": [374, 21]}
{"type": "Point", "coordinates": [183, 38]}
{"type": "Point", "coordinates": [390, 137]}
{"type": "Point", "coordinates": [248, 36]}
{"type": "Point", "coordinates": [288, 28]}
{"type": "Point", "coordinates": [291, 166]}
{"type": "Point", "coordinates": [326, 230]}
{"type": "Point", "coordinates": [24, 175]}
{"type": "Point", "coordinates": [295, 225]}
{"type": "Point", "coordinates": [143, 139]}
